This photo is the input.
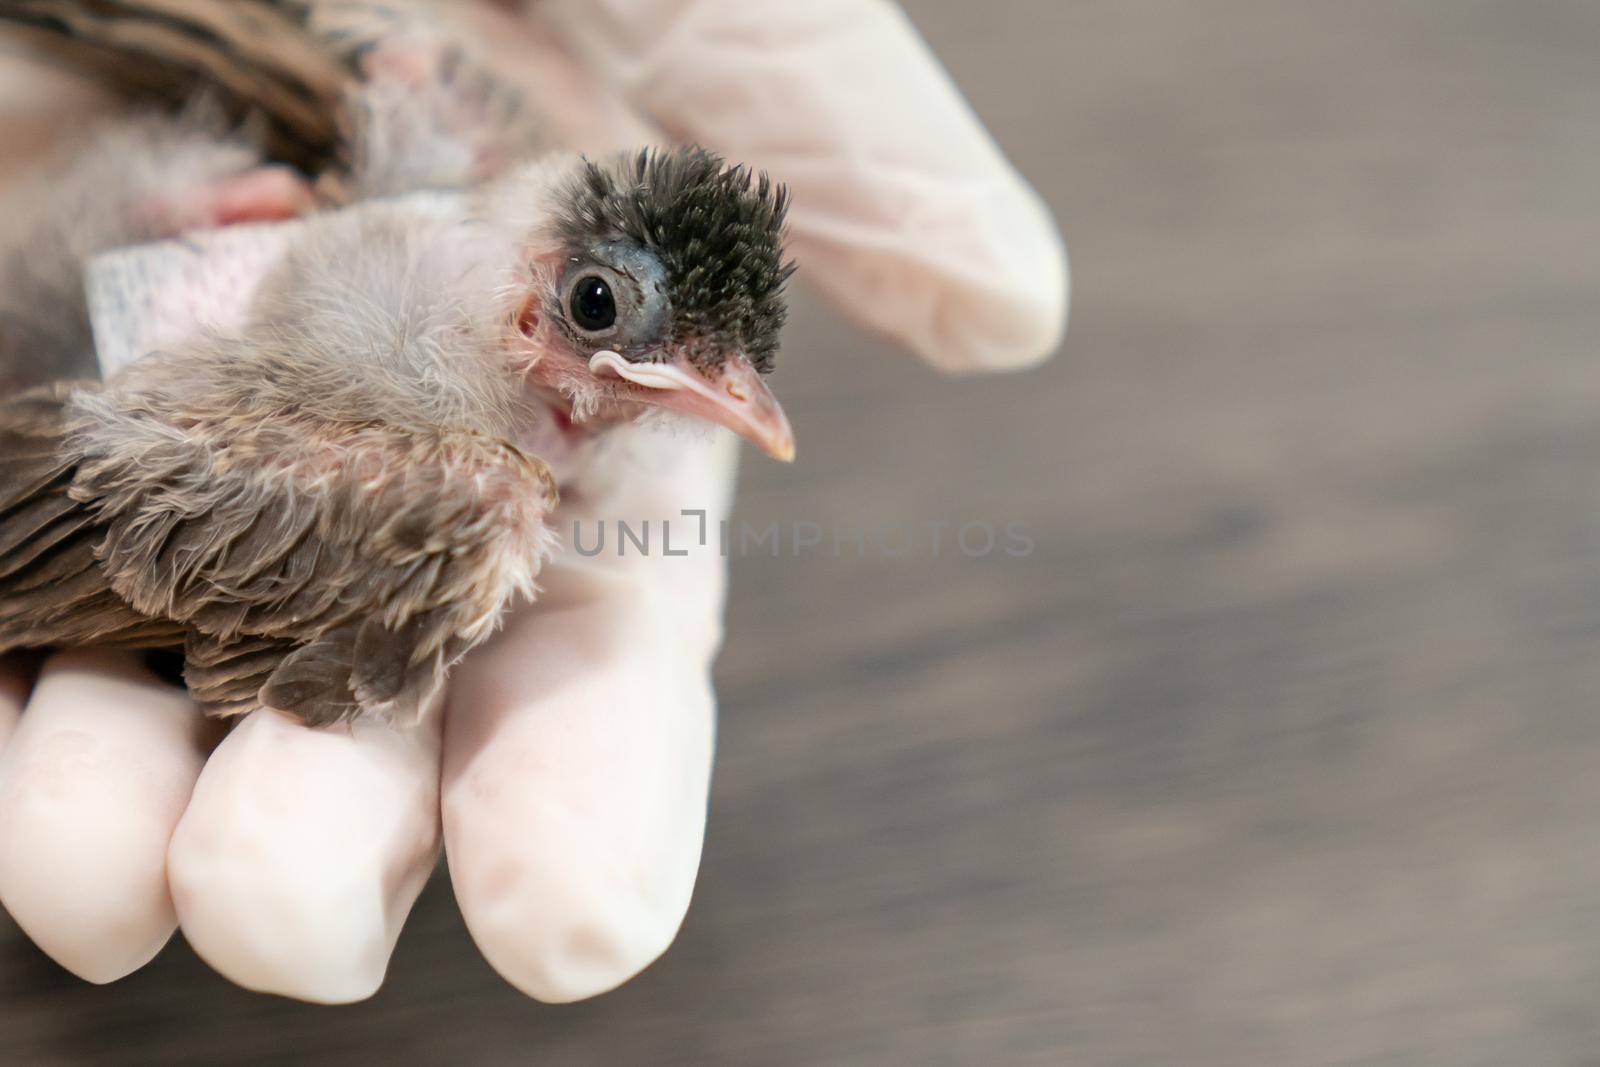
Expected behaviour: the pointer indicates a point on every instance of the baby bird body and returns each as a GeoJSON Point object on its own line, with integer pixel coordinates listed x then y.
{"type": "Point", "coordinates": [328, 507]}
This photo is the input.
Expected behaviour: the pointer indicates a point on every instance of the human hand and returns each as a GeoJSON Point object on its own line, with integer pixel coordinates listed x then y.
{"type": "Point", "coordinates": [568, 775]}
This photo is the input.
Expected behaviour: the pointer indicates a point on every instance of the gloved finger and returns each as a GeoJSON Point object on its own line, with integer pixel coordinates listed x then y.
{"type": "Point", "coordinates": [302, 851]}
{"type": "Point", "coordinates": [15, 680]}
{"type": "Point", "coordinates": [578, 748]}
{"type": "Point", "coordinates": [91, 785]}
{"type": "Point", "coordinates": [906, 214]}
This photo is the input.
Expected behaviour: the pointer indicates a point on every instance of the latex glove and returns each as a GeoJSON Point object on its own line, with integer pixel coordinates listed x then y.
{"type": "Point", "coordinates": [568, 776]}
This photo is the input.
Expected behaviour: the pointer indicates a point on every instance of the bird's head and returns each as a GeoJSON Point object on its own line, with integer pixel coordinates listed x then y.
{"type": "Point", "coordinates": [657, 283]}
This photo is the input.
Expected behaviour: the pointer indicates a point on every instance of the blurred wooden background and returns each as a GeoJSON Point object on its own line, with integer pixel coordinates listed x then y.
{"type": "Point", "coordinates": [1279, 748]}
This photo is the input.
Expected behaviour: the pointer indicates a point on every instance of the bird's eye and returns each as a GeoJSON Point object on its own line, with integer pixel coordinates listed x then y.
{"type": "Point", "coordinates": [593, 306]}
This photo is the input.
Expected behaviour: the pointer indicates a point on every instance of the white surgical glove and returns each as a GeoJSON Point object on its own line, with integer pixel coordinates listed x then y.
{"type": "Point", "coordinates": [568, 777]}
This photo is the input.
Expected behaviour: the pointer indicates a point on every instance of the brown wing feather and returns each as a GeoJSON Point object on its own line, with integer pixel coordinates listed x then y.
{"type": "Point", "coordinates": [52, 591]}
{"type": "Point", "coordinates": [225, 677]}
{"type": "Point", "coordinates": [255, 56]}
{"type": "Point", "coordinates": [330, 571]}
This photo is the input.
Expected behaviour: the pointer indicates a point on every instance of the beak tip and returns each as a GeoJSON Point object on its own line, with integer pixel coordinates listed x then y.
{"type": "Point", "coordinates": [777, 441]}
{"type": "Point", "coordinates": [738, 400]}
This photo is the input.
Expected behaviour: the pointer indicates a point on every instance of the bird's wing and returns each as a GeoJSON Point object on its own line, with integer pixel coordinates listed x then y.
{"type": "Point", "coordinates": [335, 570]}
{"type": "Point", "coordinates": [378, 99]}
{"type": "Point", "coordinates": [52, 591]}
{"type": "Point", "coordinates": [260, 57]}
{"type": "Point", "coordinates": [226, 677]}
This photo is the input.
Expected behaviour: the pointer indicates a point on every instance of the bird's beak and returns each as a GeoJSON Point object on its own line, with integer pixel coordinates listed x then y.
{"type": "Point", "coordinates": [732, 395]}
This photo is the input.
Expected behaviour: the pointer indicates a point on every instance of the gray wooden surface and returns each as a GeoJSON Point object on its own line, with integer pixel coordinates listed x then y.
{"type": "Point", "coordinates": [1281, 746]}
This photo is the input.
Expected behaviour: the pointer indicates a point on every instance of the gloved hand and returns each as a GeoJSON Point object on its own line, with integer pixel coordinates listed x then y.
{"type": "Point", "coordinates": [568, 776]}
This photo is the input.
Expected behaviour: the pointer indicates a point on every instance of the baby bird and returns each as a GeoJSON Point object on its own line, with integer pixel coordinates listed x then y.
{"type": "Point", "coordinates": [326, 509]}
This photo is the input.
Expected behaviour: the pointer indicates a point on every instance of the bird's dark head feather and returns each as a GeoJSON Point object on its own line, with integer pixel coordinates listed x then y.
{"type": "Point", "coordinates": [717, 230]}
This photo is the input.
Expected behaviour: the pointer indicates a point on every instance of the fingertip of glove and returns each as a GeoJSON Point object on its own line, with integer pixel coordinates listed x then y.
{"type": "Point", "coordinates": [53, 882]}
{"type": "Point", "coordinates": [590, 950]}
{"type": "Point", "coordinates": [1005, 287]}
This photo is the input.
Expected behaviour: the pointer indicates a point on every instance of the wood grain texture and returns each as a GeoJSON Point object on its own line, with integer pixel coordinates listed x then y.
{"type": "Point", "coordinates": [1279, 748]}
